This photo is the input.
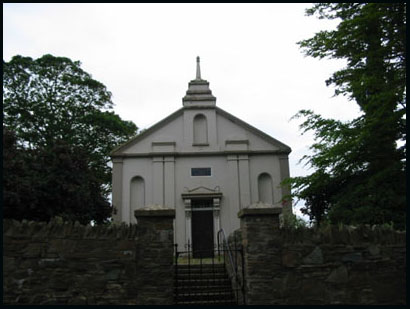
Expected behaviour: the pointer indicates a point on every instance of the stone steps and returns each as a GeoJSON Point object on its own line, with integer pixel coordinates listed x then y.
{"type": "Point", "coordinates": [203, 276]}
{"type": "Point", "coordinates": [208, 303]}
{"type": "Point", "coordinates": [203, 285]}
{"type": "Point", "coordinates": [199, 266]}
{"type": "Point", "coordinates": [207, 296]}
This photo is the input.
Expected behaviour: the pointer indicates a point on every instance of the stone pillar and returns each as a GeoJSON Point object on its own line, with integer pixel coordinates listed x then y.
{"type": "Point", "coordinates": [188, 216]}
{"type": "Point", "coordinates": [261, 245]}
{"type": "Point", "coordinates": [155, 255]}
{"type": "Point", "coordinates": [117, 167]}
{"type": "Point", "coordinates": [217, 217]}
{"type": "Point", "coordinates": [284, 174]}
{"type": "Point", "coordinates": [233, 200]}
{"type": "Point", "coordinates": [169, 181]}
{"type": "Point", "coordinates": [158, 180]}
{"type": "Point", "coordinates": [243, 166]}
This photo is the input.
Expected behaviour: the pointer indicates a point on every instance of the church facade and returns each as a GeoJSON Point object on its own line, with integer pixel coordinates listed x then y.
{"type": "Point", "coordinates": [203, 162]}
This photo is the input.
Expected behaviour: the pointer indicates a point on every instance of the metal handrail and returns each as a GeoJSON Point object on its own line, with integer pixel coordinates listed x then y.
{"type": "Point", "coordinates": [224, 240]}
{"type": "Point", "coordinates": [234, 270]}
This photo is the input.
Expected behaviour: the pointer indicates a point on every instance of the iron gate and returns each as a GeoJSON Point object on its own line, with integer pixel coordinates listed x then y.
{"type": "Point", "coordinates": [204, 278]}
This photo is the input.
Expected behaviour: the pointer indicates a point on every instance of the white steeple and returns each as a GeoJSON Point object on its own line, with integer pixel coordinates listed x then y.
{"type": "Point", "coordinates": [198, 69]}
{"type": "Point", "coordinates": [198, 93]}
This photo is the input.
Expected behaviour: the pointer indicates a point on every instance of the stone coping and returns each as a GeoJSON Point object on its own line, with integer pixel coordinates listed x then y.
{"type": "Point", "coordinates": [155, 211]}
{"type": "Point", "coordinates": [260, 209]}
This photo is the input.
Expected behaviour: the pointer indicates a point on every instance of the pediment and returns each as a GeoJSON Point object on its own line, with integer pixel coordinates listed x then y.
{"type": "Point", "coordinates": [158, 138]}
{"type": "Point", "coordinates": [201, 191]}
{"type": "Point", "coordinates": [166, 136]}
{"type": "Point", "coordinates": [241, 141]}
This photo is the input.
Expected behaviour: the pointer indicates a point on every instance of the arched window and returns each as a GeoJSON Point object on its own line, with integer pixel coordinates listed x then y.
{"type": "Point", "coordinates": [265, 188]}
{"type": "Point", "coordinates": [137, 195]}
{"type": "Point", "coordinates": [200, 129]}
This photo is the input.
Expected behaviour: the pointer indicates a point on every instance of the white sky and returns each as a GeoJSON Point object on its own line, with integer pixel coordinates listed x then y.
{"type": "Point", "coordinates": [146, 54]}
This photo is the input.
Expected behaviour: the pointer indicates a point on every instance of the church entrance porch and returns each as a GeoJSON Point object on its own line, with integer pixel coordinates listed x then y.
{"type": "Point", "coordinates": [202, 219]}
{"type": "Point", "coordinates": [202, 228]}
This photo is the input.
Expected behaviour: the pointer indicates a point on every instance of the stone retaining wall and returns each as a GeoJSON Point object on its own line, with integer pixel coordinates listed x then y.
{"type": "Point", "coordinates": [337, 265]}
{"type": "Point", "coordinates": [66, 263]}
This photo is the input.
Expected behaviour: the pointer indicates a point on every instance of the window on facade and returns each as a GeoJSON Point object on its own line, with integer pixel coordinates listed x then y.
{"type": "Point", "coordinates": [200, 129]}
{"type": "Point", "coordinates": [201, 171]}
{"type": "Point", "coordinates": [265, 188]}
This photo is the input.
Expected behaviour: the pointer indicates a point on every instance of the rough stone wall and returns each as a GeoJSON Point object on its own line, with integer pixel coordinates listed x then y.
{"type": "Point", "coordinates": [155, 261]}
{"type": "Point", "coordinates": [338, 265]}
{"type": "Point", "coordinates": [66, 263]}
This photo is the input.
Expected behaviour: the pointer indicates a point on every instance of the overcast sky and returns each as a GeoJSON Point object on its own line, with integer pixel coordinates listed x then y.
{"type": "Point", "coordinates": [146, 54]}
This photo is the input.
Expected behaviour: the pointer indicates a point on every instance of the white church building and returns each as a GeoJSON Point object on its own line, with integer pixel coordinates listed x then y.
{"type": "Point", "coordinates": [205, 163]}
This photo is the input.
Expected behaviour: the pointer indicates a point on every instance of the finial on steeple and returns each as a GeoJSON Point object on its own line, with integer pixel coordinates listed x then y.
{"type": "Point", "coordinates": [198, 69]}
{"type": "Point", "coordinates": [198, 93]}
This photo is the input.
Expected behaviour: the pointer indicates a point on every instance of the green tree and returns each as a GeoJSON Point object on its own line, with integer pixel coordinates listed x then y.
{"type": "Point", "coordinates": [51, 181]}
{"type": "Point", "coordinates": [17, 184]}
{"type": "Point", "coordinates": [359, 169]}
{"type": "Point", "coordinates": [51, 100]}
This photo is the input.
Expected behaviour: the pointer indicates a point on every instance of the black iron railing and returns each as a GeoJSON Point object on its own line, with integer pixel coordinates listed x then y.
{"type": "Point", "coordinates": [209, 276]}
{"type": "Point", "coordinates": [200, 277]}
{"type": "Point", "coordinates": [236, 264]}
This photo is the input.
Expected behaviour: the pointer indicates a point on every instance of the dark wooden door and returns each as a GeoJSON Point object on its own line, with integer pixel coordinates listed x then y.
{"type": "Point", "coordinates": [202, 230]}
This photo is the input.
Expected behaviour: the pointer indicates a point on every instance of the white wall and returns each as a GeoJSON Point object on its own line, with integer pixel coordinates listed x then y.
{"type": "Point", "coordinates": [164, 159]}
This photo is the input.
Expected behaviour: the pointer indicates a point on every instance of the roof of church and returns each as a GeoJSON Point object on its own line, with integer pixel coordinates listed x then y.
{"type": "Point", "coordinates": [199, 95]}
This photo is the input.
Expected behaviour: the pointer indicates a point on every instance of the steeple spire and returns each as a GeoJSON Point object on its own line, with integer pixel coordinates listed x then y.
{"type": "Point", "coordinates": [198, 94]}
{"type": "Point", "coordinates": [198, 69]}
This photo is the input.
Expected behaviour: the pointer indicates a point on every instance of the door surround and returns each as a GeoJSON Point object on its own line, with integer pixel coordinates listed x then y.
{"type": "Point", "coordinates": [201, 193]}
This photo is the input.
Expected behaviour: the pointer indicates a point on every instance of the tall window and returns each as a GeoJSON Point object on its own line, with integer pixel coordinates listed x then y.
{"type": "Point", "coordinates": [200, 129]}
{"type": "Point", "coordinates": [137, 195]}
{"type": "Point", "coordinates": [265, 188]}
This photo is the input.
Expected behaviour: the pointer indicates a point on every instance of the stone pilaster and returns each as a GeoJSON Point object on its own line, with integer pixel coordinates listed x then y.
{"type": "Point", "coordinates": [169, 181]}
{"type": "Point", "coordinates": [284, 174]}
{"type": "Point", "coordinates": [158, 180]}
{"type": "Point", "coordinates": [243, 171]}
{"type": "Point", "coordinates": [117, 167]}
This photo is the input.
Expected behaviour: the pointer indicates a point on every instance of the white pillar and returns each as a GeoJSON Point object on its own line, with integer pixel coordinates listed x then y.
{"type": "Point", "coordinates": [244, 184]}
{"type": "Point", "coordinates": [188, 215]}
{"type": "Point", "coordinates": [169, 182]}
{"type": "Point", "coordinates": [217, 218]}
{"type": "Point", "coordinates": [158, 180]}
{"type": "Point", "coordinates": [117, 189]}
